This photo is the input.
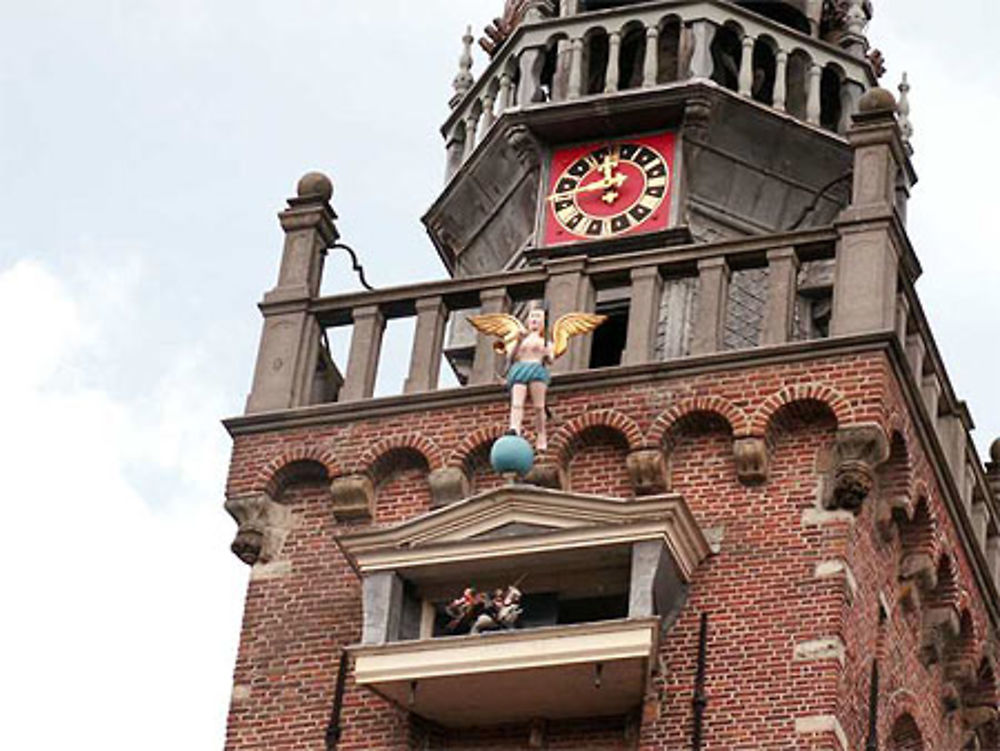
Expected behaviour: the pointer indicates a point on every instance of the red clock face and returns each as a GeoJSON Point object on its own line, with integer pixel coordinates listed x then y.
{"type": "Point", "coordinates": [609, 189]}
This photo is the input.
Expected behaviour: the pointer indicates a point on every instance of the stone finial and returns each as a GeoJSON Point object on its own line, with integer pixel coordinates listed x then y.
{"type": "Point", "coordinates": [904, 109]}
{"type": "Point", "coordinates": [995, 453]}
{"type": "Point", "coordinates": [315, 185]}
{"type": "Point", "coordinates": [464, 80]}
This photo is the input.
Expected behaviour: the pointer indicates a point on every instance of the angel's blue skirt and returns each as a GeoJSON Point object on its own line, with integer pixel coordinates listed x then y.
{"type": "Point", "coordinates": [527, 372]}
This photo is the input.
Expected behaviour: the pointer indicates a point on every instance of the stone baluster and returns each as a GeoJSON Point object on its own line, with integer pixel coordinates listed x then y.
{"type": "Point", "coordinates": [916, 352]}
{"type": "Point", "coordinates": [930, 391]}
{"type": "Point", "coordinates": [651, 66]}
{"type": "Point", "coordinates": [428, 340]}
{"type": "Point", "coordinates": [366, 346]}
{"type": "Point", "coordinates": [813, 103]}
{"type": "Point", "coordinates": [569, 7]}
{"type": "Point", "coordinates": [489, 116]}
{"type": "Point", "coordinates": [713, 291]}
{"type": "Point", "coordinates": [471, 130]}
{"type": "Point", "coordinates": [643, 315]}
{"type": "Point", "coordinates": [702, 34]}
{"type": "Point", "coordinates": [506, 91]}
{"type": "Point", "coordinates": [290, 340]}
{"type": "Point", "coordinates": [576, 69]}
{"type": "Point", "coordinates": [455, 150]}
{"type": "Point", "coordinates": [782, 280]}
{"type": "Point", "coordinates": [781, 81]}
{"type": "Point", "coordinates": [614, 62]}
{"type": "Point", "coordinates": [746, 67]}
{"type": "Point", "coordinates": [484, 363]}
{"type": "Point", "coordinates": [530, 62]}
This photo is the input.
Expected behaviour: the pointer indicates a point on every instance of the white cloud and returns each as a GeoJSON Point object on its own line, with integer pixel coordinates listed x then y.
{"type": "Point", "coordinates": [105, 630]}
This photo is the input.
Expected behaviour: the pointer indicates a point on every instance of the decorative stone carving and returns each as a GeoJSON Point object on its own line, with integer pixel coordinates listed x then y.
{"type": "Point", "coordinates": [448, 485]}
{"type": "Point", "coordinates": [858, 451]}
{"type": "Point", "coordinates": [547, 475]}
{"type": "Point", "coordinates": [752, 460]}
{"type": "Point", "coordinates": [648, 470]}
{"type": "Point", "coordinates": [515, 12]}
{"type": "Point", "coordinates": [263, 526]}
{"type": "Point", "coordinates": [941, 625]}
{"type": "Point", "coordinates": [353, 497]}
{"type": "Point", "coordinates": [920, 568]}
{"type": "Point", "coordinates": [525, 146]}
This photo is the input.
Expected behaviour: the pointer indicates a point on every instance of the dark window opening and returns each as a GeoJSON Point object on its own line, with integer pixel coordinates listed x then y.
{"type": "Point", "coordinates": [590, 609]}
{"type": "Point", "coordinates": [669, 43]}
{"type": "Point", "coordinates": [597, 62]}
{"type": "Point", "coordinates": [548, 74]}
{"type": "Point", "coordinates": [830, 103]}
{"type": "Point", "coordinates": [727, 51]}
{"type": "Point", "coordinates": [764, 72]}
{"type": "Point", "coordinates": [608, 345]}
{"type": "Point", "coordinates": [632, 58]}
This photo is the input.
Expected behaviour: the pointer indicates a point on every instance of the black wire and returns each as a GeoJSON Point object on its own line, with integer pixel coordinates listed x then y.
{"type": "Point", "coordinates": [355, 265]}
{"type": "Point", "coordinates": [819, 194]}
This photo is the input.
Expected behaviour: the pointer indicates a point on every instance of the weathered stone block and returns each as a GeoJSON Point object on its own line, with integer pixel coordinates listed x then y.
{"type": "Point", "coordinates": [448, 485]}
{"type": "Point", "coordinates": [648, 470]}
{"type": "Point", "coordinates": [752, 460]}
{"type": "Point", "coordinates": [353, 497]}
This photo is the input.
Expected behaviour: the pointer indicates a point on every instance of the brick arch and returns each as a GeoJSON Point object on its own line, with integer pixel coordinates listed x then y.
{"type": "Point", "coordinates": [716, 405]}
{"type": "Point", "coordinates": [459, 458]}
{"type": "Point", "coordinates": [410, 441]}
{"type": "Point", "coordinates": [562, 443]}
{"type": "Point", "coordinates": [271, 478]}
{"type": "Point", "coordinates": [838, 404]}
{"type": "Point", "coordinates": [905, 735]}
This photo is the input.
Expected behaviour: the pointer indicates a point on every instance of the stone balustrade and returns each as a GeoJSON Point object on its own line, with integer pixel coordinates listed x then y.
{"type": "Point", "coordinates": [658, 44]}
{"type": "Point", "coordinates": [571, 283]}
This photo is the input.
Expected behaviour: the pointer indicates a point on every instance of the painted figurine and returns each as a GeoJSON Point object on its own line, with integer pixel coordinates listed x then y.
{"type": "Point", "coordinates": [530, 352]}
{"type": "Point", "coordinates": [476, 612]}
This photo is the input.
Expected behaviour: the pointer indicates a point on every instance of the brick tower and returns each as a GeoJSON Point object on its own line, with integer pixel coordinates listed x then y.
{"type": "Point", "coordinates": [759, 522]}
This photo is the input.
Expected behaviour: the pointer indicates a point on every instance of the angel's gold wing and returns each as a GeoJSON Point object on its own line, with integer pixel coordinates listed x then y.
{"type": "Point", "coordinates": [572, 324]}
{"type": "Point", "coordinates": [506, 328]}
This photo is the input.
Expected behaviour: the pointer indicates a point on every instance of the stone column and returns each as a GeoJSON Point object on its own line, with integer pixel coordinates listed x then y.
{"type": "Point", "coordinates": [530, 62]}
{"type": "Point", "coordinates": [290, 341]}
{"type": "Point", "coordinates": [382, 595]}
{"type": "Point", "coordinates": [702, 32]}
{"type": "Point", "coordinates": [489, 116]}
{"type": "Point", "coordinates": [576, 70]}
{"type": "Point", "coordinates": [783, 264]}
{"type": "Point", "coordinates": [781, 81]}
{"type": "Point", "coordinates": [651, 66]}
{"type": "Point", "coordinates": [506, 91]}
{"type": "Point", "coordinates": [484, 364]}
{"type": "Point", "coordinates": [455, 151]}
{"type": "Point", "coordinates": [366, 346]}
{"type": "Point", "coordinates": [643, 315]}
{"type": "Point", "coordinates": [713, 292]}
{"type": "Point", "coordinates": [868, 257]}
{"type": "Point", "coordinates": [930, 390]}
{"type": "Point", "coordinates": [916, 351]}
{"type": "Point", "coordinates": [614, 61]}
{"type": "Point", "coordinates": [813, 102]}
{"type": "Point", "coordinates": [428, 339]}
{"type": "Point", "coordinates": [746, 67]}
{"type": "Point", "coordinates": [471, 130]}
{"type": "Point", "coordinates": [569, 291]}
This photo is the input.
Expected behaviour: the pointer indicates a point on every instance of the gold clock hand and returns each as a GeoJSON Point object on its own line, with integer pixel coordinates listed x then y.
{"type": "Point", "coordinates": [614, 182]}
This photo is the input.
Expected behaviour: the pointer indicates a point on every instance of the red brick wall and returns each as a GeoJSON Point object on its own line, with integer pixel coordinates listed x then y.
{"type": "Point", "coordinates": [761, 591]}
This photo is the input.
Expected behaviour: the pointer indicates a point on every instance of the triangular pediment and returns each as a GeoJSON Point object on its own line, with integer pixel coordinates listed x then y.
{"type": "Point", "coordinates": [510, 512]}
{"type": "Point", "coordinates": [522, 520]}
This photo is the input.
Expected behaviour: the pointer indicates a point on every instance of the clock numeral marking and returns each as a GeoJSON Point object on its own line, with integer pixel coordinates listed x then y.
{"type": "Point", "coordinates": [645, 156]}
{"type": "Point", "coordinates": [656, 191]}
{"type": "Point", "coordinates": [574, 221]}
{"type": "Point", "coordinates": [595, 228]}
{"type": "Point", "coordinates": [639, 212]}
{"type": "Point", "coordinates": [657, 182]}
{"type": "Point", "coordinates": [649, 202]}
{"type": "Point", "coordinates": [580, 168]}
{"type": "Point", "coordinates": [657, 170]}
{"type": "Point", "coordinates": [627, 152]}
{"type": "Point", "coordinates": [620, 223]}
{"type": "Point", "coordinates": [565, 185]}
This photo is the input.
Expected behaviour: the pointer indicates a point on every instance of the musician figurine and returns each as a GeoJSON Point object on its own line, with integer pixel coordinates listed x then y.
{"type": "Point", "coordinates": [530, 351]}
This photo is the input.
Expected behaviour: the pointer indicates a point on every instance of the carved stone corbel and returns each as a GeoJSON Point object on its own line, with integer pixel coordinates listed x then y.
{"type": "Point", "coordinates": [858, 450]}
{"type": "Point", "coordinates": [648, 470]}
{"type": "Point", "coordinates": [941, 625]}
{"type": "Point", "coordinates": [353, 497]}
{"type": "Point", "coordinates": [525, 146]}
{"type": "Point", "coordinates": [547, 475]}
{"type": "Point", "coordinates": [263, 526]}
{"type": "Point", "coordinates": [753, 462]}
{"type": "Point", "coordinates": [448, 485]}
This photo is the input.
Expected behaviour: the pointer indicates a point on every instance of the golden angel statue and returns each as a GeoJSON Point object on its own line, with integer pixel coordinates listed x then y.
{"type": "Point", "coordinates": [529, 352]}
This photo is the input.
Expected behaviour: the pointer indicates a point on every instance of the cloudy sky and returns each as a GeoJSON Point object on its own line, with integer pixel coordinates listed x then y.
{"type": "Point", "coordinates": [145, 146]}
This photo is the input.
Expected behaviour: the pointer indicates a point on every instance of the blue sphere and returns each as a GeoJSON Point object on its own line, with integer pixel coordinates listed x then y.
{"type": "Point", "coordinates": [511, 453]}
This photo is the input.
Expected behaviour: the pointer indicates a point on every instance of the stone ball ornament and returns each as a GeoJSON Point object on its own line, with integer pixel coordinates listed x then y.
{"type": "Point", "coordinates": [315, 185]}
{"type": "Point", "coordinates": [877, 100]}
{"type": "Point", "coordinates": [995, 452]}
{"type": "Point", "coordinates": [512, 453]}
